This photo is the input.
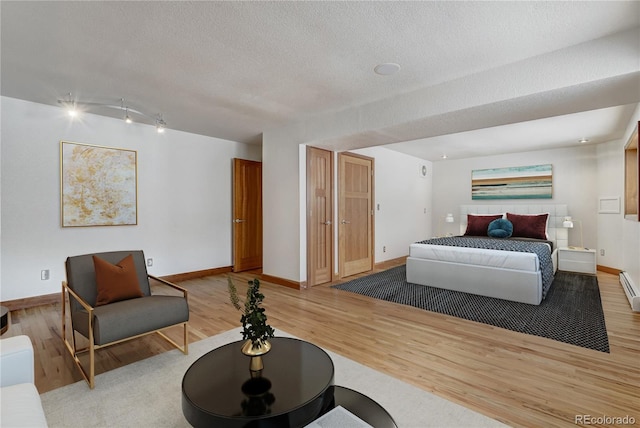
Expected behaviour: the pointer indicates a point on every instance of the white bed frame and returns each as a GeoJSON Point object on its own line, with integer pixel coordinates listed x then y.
{"type": "Point", "coordinates": [508, 284]}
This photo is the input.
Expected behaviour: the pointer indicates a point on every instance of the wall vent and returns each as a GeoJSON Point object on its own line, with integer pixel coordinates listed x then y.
{"type": "Point", "coordinates": [631, 290]}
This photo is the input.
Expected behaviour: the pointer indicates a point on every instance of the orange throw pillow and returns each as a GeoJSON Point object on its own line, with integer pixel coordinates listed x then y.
{"type": "Point", "coordinates": [116, 282]}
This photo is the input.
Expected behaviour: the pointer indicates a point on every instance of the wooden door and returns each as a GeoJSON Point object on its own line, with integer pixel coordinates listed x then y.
{"type": "Point", "coordinates": [355, 214]}
{"type": "Point", "coordinates": [319, 216]}
{"type": "Point", "coordinates": [247, 215]}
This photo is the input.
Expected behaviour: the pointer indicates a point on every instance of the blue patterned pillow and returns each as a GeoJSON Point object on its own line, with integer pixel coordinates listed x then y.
{"type": "Point", "coordinates": [500, 228]}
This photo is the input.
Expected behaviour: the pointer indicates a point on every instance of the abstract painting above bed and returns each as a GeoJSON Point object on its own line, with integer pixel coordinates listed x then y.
{"type": "Point", "coordinates": [521, 182]}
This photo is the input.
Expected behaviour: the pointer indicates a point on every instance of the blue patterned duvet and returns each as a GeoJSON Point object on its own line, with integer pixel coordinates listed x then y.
{"type": "Point", "coordinates": [542, 249]}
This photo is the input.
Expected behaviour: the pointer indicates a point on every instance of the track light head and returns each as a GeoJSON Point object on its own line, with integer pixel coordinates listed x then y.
{"type": "Point", "coordinates": [70, 105]}
{"type": "Point", "coordinates": [160, 125]}
{"type": "Point", "coordinates": [72, 110]}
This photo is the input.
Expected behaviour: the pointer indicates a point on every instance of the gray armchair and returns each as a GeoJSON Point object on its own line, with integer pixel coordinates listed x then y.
{"type": "Point", "coordinates": [117, 321]}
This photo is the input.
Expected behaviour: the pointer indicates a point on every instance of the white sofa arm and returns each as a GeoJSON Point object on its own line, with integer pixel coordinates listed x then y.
{"type": "Point", "coordinates": [20, 405]}
{"type": "Point", "coordinates": [16, 361]}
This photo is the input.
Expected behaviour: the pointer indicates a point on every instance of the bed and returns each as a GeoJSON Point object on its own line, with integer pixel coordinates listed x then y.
{"type": "Point", "coordinates": [517, 268]}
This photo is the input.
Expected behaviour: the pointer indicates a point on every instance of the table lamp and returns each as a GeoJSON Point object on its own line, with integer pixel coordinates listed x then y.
{"type": "Point", "coordinates": [569, 223]}
{"type": "Point", "coordinates": [448, 219]}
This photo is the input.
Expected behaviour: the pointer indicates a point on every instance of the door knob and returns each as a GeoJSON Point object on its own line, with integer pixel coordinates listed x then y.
{"type": "Point", "coordinates": [328, 223]}
{"type": "Point", "coordinates": [239, 220]}
{"type": "Point", "coordinates": [345, 222]}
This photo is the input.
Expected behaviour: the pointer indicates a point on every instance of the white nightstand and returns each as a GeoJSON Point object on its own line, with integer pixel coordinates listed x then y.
{"type": "Point", "coordinates": [581, 260]}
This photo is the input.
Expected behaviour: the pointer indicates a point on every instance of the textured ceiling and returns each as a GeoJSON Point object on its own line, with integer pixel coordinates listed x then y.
{"type": "Point", "coordinates": [236, 69]}
{"type": "Point", "coordinates": [559, 131]}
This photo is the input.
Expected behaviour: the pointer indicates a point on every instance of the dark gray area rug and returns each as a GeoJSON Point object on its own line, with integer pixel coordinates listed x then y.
{"type": "Point", "coordinates": [571, 312]}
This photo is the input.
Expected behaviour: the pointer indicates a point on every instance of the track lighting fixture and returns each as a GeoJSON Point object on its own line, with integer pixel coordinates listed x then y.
{"type": "Point", "coordinates": [72, 106]}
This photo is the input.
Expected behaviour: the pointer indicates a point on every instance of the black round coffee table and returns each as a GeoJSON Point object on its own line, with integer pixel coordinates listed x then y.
{"type": "Point", "coordinates": [363, 407]}
{"type": "Point", "coordinates": [293, 390]}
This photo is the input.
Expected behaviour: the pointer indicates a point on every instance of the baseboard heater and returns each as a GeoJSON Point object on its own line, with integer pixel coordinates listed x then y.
{"type": "Point", "coordinates": [631, 290]}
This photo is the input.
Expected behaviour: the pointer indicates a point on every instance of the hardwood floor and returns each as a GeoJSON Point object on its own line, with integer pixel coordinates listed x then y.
{"type": "Point", "coordinates": [518, 379]}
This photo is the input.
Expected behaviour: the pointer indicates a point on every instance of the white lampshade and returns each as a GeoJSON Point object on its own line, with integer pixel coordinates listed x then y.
{"type": "Point", "coordinates": [568, 223]}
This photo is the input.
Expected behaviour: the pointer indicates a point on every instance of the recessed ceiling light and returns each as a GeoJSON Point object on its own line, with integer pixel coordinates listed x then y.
{"type": "Point", "coordinates": [387, 69]}
{"type": "Point", "coordinates": [583, 140]}
{"type": "Point", "coordinates": [444, 156]}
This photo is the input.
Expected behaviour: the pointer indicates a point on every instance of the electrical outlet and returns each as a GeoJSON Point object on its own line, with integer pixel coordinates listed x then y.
{"type": "Point", "coordinates": [44, 274]}
{"type": "Point", "coordinates": [384, 249]}
{"type": "Point", "coordinates": [149, 262]}
{"type": "Point", "coordinates": [602, 252]}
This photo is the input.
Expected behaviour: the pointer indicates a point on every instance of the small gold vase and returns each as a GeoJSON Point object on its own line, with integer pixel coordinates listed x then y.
{"type": "Point", "coordinates": [256, 352]}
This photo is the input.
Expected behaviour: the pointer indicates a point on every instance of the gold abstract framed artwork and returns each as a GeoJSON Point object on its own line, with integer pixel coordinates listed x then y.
{"type": "Point", "coordinates": [98, 185]}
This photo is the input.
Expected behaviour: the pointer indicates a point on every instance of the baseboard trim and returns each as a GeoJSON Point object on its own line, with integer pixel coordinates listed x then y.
{"type": "Point", "coordinates": [30, 302]}
{"type": "Point", "coordinates": [392, 262]}
{"type": "Point", "coordinates": [384, 265]}
{"type": "Point", "coordinates": [608, 269]}
{"type": "Point", "coordinates": [178, 277]}
{"type": "Point", "coordinates": [47, 299]}
{"type": "Point", "coordinates": [282, 281]}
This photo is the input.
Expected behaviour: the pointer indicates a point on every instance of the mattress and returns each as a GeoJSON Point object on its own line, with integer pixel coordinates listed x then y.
{"type": "Point", "coordinates": [501, 268]}
{"type": "Point", "coordinates": [477, 256]}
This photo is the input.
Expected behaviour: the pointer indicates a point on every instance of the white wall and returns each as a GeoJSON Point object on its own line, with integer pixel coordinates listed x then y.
{"type": "Point", "coordinates": [281, 195]}
{"type": "Point", "coordinates": [184, 197]}
{"type": "Point", "coordinates": [403, 201]}
{"type": "Point", "coordinates": [610, 175]}
{"type": "Point", "coordinates": [630, 247]}
{"type": "Point", "coordinates": [574, 184]}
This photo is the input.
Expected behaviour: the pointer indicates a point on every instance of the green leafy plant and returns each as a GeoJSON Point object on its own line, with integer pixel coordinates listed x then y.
{"type": "Point", "coordinates": [254, 320]}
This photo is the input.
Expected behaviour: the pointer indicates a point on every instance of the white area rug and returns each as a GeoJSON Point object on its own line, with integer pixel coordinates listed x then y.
{"type": "Point", "coordinates": [148, 394]}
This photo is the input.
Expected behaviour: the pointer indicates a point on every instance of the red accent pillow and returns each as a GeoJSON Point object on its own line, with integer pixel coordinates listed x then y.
{"type": "Point", "coordinates": [529, 225]}
{"type": "Point", "coordinates": [116, 282]}
{"type": "Point", "coordinates": [477, 225]}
